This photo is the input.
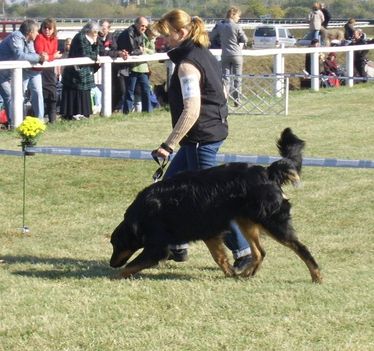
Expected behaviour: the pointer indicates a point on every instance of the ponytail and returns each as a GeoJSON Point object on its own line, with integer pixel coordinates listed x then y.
{"type": "Point", "coordinates": [199, 35]}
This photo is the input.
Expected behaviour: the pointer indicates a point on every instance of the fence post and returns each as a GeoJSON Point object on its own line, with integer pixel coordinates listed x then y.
{"type": "Point", "coordinates": [278, 68]}
{"type": "Point", "coordinates": [106, 79]}
{"type": "Point", "coordinates": [349, 58]}
{"type": "Point", "coordinates": [314, 65]}
{"type": "Point", "coordinates": [16, 108]}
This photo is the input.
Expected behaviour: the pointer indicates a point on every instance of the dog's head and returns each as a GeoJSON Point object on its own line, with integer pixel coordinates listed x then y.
{"type": "Point", "coordinates": [125, 242]}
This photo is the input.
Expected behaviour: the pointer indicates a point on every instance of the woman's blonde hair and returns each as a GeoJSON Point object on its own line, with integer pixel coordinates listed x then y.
{"type": "Point", "coordinates": [232, 11]}
{"type": "Point", "coordinates": [177, 19]}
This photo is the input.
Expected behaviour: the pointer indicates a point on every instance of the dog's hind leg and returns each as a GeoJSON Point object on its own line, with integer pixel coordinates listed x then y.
{"type": "Point", "coordinates": [251, 232]}
{"type": "Point", "coordinates": [218, 252]}
{"type": "Point", "coordinates": [284, 233]}
{"type": "Point", "coordinates": [302, 251]}
{"type": "Point", "coordinates": [146, 259]}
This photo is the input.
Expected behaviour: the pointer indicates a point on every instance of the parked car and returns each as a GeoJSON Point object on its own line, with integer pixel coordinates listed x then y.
{"type": "Point", "coordinates": [308, 37]}
{"type": "Point", "coordinates": [272, 36]}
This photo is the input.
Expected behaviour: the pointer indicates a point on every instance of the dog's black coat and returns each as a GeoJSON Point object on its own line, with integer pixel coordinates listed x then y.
{"type": "Point", "coordinates": [199, 205]}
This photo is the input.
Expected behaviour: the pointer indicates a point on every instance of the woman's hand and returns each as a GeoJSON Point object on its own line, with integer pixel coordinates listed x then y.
{"type": "Point", "coordinates": [162, 153]}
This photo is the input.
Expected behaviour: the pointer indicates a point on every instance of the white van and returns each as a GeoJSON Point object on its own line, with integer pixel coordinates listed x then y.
{"type": "Point", "coordinates": [268, 36]}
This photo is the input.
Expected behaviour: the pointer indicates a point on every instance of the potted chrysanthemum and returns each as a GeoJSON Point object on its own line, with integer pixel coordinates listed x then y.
{"type": "Point", "coordinates": [30, 130]}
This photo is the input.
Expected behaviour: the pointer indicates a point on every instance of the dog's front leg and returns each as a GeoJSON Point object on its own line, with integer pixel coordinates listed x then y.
{"type": "Point", "coordinates": [218, 252]}
{"type": "Point", "coordinates": [143, 261]}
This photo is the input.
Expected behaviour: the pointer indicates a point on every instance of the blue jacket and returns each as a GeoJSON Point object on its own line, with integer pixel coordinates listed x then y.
{"type": "Point", "coordinates": [15, 47]}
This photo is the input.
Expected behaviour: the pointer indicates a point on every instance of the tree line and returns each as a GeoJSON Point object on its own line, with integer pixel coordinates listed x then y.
{"type": "Point", "coordinates": [359, 9]}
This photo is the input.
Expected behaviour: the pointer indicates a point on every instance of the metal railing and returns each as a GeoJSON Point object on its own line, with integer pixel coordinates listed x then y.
{"type": "Point", "coordinates": [279, 56]}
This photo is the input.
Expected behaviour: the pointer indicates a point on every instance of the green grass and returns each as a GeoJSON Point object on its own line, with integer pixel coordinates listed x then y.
{"type": "Point", "coordinates": [55, 291]}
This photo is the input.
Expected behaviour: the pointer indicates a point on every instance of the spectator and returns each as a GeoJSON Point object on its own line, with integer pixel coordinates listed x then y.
{"type": "Point", "coordinates": [325, 23]}
{"type": "Point", "coordinates": [313, 44]}
{"type": "Point", "coordinates": [108, 47]}
{"type": "Point", "coordinates": [19, 45]}
{"type": "Point", "coordinates": [349, 29]}
{"type": "Point", "coordinates": [360, 57]}
{"type": "Point", "coordinates": [67, 45]}
{"type": "Point", "coordinates": [326, 15]}
{"type": "Point", "coordinates": [316, 18]}
{"type": "Point", "coordinates": [132, 41]}
{"type": "Point", "coordinates": [149, 48]}
{"type": "Point", "coordinates": [330, 64]}
{"type": "Point", "coordinates": [78, 80]}
{"type": "Point", "coordinates": [231, 38]}
{"type": "Point", "coordinates": [47, 42]}
{"type": "Point", "coordinates": [198, 108]}
{"type": "Point", "coordinates": [215, 41]}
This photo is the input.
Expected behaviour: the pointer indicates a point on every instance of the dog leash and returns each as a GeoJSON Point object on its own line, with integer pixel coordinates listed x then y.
{"type": "Point", "coordinates": [160, 170]}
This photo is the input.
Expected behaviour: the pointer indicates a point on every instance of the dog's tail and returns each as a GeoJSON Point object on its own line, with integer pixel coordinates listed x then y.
{"type": "Point", "coordinates": [288, 169]}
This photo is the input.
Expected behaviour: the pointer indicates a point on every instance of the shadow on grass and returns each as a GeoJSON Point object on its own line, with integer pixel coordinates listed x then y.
{"type": "Point", "coordinates": [63, 268]}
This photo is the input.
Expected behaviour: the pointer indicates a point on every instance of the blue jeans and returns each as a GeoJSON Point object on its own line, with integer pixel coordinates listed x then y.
{"type": "Point", "coordinates": [201, 156]}
{"type": "Point", "coordinates": [131, 81]}
{"type": "Point", "coordinates": [316, 35]}
{"type": "Point", "coordinates": [6, 94]}
{"type": "Point", "coordinates": [33, 81]}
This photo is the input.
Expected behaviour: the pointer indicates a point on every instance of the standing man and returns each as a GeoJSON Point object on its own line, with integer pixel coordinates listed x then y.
{"type": "Point", "coordinates": [132, 40]}
{"type": "Point", "coordinates": [325, 23]}
{"type": "Point", "coordinates": [231, 38]}
{"type": "Point", "coordinates": [108, 47]}
{"type": "Point", "coordinates": [19, 45]}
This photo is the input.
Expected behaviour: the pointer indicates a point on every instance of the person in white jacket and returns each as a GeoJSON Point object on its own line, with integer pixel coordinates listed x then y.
{"type": "Point", "coordinates": [316, 18]}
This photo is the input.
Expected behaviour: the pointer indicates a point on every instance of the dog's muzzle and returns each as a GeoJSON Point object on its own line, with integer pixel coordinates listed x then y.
{"type": "Point", "coordinates": [118, 259]}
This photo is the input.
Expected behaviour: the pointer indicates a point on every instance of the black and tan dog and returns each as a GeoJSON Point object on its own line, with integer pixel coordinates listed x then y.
{"type": "Point", "coordinates": [199, 205]}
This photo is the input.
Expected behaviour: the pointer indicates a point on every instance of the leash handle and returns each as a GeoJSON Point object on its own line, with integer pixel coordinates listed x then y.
{"type": "Point", "coordinates": [160, 170]}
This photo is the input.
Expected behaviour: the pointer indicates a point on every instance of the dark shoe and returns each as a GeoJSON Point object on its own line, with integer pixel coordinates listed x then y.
{"type": "Point", "coordinates": [242, 263]}
{"type": "Point", "coordinates": [178, 255]}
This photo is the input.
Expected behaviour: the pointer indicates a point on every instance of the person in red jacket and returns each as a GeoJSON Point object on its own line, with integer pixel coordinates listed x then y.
{"type": "Point", "coordinates": [47, 42]}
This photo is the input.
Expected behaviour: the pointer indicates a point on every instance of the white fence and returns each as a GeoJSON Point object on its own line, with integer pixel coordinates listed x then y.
{"type": "Point", "coordinates": [279, 57]}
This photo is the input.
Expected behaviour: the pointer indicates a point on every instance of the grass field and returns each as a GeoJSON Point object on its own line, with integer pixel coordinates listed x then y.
{"type": "Point", "coordinates": [55, 291]}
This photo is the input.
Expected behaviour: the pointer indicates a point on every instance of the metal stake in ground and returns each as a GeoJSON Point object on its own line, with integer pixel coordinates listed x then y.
{"type": "Point", "coordinates": [24, 229]}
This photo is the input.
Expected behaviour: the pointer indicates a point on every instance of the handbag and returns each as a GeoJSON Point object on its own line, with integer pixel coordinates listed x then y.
{"type": "Point", "coordinates": [3, 117]}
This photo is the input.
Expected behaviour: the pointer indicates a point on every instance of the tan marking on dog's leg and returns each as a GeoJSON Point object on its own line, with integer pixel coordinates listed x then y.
{"type": "Point", "coordinates": [218, 252]}
{"type": "Point", "coordinates": [142, 261]}
{"type": "Point", "coordinates": [129, 271]}
{"type": "Point", "coordinates": [251, 232]}
{"type": "Point", "coordinates": [303, 252]}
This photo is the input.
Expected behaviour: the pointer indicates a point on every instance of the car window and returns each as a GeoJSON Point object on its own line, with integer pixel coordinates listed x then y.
{"type": "Point", "coordinates": [282, 33]}
{"type": "Point", "coordinates": [265, 32]}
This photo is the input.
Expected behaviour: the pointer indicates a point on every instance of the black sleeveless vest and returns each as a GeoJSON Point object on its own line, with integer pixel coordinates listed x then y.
{"type": "Point", "coordinates": [211, 125]}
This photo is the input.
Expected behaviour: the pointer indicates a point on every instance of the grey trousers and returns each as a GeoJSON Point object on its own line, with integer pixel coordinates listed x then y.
{"type": "Point", "coordinates": [232, 65]}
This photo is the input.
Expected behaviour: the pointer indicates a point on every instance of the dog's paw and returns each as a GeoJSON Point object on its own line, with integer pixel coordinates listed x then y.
{"type": "Point", "coordinates": [230, 272]}
{"type": "Point", "coordinates": [317, 277]}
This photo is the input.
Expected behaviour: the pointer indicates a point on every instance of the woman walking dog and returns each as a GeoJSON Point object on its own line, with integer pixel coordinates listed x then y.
{"type": "Point", "coordinates": [199, 112]}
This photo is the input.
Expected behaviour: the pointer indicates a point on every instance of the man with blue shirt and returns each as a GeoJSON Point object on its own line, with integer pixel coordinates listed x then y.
{"type": "Point", "coordinates": [19, 45]}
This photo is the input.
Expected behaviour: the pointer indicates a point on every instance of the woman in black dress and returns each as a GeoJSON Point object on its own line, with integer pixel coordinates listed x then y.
{"type": "Point", "coordinates": [79, 80]}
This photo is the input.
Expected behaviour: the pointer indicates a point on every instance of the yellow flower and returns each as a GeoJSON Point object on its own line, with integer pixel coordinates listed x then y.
{"type": "Point", "coordinates": [30, 129]}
